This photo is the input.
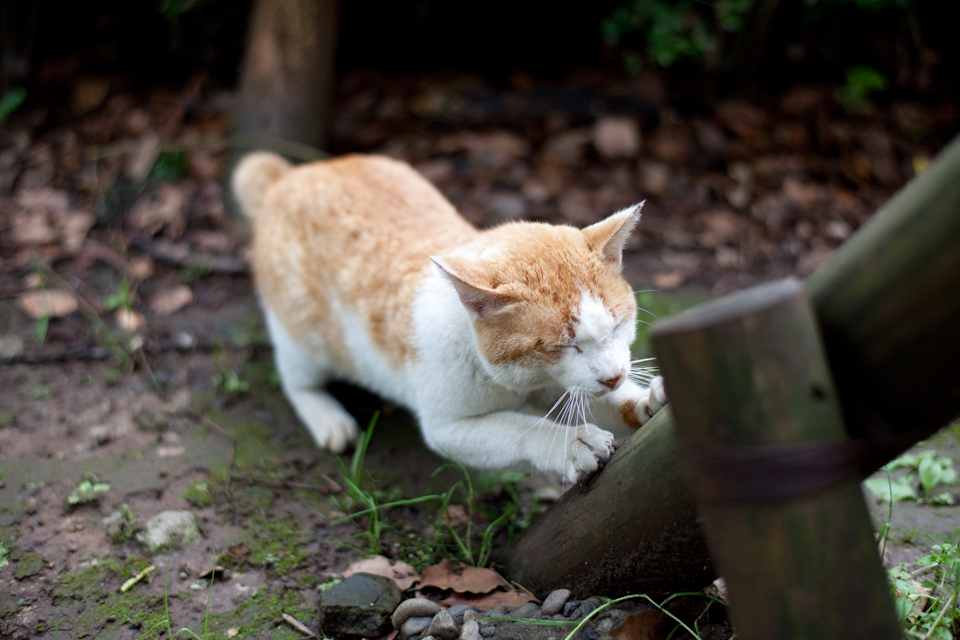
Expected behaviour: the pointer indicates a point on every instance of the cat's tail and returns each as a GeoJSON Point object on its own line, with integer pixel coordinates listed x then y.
{"type": "Point", "coordinates": [253, 176]}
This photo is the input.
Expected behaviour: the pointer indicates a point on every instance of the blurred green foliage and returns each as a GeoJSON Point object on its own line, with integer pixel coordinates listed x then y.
{"type": "Point", "coordinates": [663, 32]}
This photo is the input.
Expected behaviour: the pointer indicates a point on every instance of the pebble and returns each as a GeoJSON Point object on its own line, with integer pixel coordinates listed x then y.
{"type": "Point", "coordinates": [589, 633]}
{"type": "Point", "coordinates": [470, 615]}
{"type": "Point", "coordinates": [527, 610]}
{"type": "Point", "coordinates": [414, 626]}
{"type": "Point", "coordinates": [497, 612]}
{"type": "Point", "coordinates": [169, 528]}
{"type": "Point", "coordinates": [414, 607]}
{"type": "Point", "coordinates": [471, 631]}
{"type": "Point", "coordinates": [458, 611]}
{"type": "Point", "coordinates": [443, 627]}
{"type": "Point", "coordinates": [555, 602]}
{"type": "Point", "coordinates": [570, 608]}
{"type": "Point", "coordinates": [487, 630]}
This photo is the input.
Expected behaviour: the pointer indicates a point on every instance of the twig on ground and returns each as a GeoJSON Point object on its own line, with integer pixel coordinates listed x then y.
{"type": "Point", "coordinates": [284, 484]}
{"type": "Point", "coordinates": [181, 256]}
{"type": "Point", "coordinates": [299, 626]}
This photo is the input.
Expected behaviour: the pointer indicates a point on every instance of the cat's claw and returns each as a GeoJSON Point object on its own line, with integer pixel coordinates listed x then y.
{"type": "Point", "coordinates": [655, 400]}
{"type": "Point", "coordinates": [587, 450]}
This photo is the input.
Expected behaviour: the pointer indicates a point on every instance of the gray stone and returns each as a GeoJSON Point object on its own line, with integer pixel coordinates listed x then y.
{"type": "Point", "coordinates": [168, 529]}
{"type": "Point", "coordinates": [570, 608]}
{"type": "Point", "coordinates": [487, 630]}
{"type": "Point", "coordinates": [360, 606]}
{"type": "Point", "coordinates": [456, 611]}
{"type": "Point", "coordinates": [443, 627]}
{"type": "Point", "coordinates": [470, 615]}
{"type": "Point", "coordinates": [555, 601]}
{"type": "Point", "coordinates": [414, 607]}
{"type": "Point", "coordinates": [414, 626]}
{"type": "Point", "coordinates": [527, 610]}
{"type": "Point", "coordinates": [589, 633]}
{"type": "Point", "coordinates": [471, 631]}
{"type": "Point", "coordinates": [497, 612]}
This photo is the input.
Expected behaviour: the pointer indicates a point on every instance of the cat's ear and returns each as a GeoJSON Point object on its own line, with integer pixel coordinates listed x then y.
{"type": "Point", "coordinates": [470, 285]}
{"type": "Point", "coordinates": [610, 235]}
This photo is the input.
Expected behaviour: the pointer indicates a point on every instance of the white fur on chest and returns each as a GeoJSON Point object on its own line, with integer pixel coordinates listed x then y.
{"type": "Point", "coordinates": [449, 375]}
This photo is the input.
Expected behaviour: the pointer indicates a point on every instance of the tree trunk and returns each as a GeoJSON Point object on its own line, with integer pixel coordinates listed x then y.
{"type": "Point", "coordinates": [286, 81]}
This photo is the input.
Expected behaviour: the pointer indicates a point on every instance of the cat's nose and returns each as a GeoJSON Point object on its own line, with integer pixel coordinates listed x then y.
{"type": "Point", "coordinates": [614, 382]}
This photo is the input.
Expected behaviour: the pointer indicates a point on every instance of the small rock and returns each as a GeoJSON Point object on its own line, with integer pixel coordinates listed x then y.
{"type": "Point", "coordinates": [470, 615]}
{"type": "Point", "coordinates": [589, 633]}
{"type": "Point", "coordinates": [10, 346]}
{"type": "Point", "coordinates": [458, 611]}
{"type": "Point", "coordinates": [497, 612]}
{"type": "Point", "coordinates": [169, 528]}
{"type": "Point", "coordinates": [617, 137]}
{"type": "Point", "coordinates": [527, 610]}
{"type": "Point", "coordinates": [414, 626]}
{"type": "Point", "coordinates": [555, 602]}
{"type": "Point", "coordinates": [570, 607]}
{"type": "Point", "coordinates": [414, 607]}
{"type": "Point", "coordinates": [586, 608]}
{"type": "Point", "coordinates": [471, 631]}
{"type": "Point", "coordinates": [360, 605]}
{"type": "Point", "coordinates": [487, 630]}
{"type": "Point", "coordinates": [443, 626]}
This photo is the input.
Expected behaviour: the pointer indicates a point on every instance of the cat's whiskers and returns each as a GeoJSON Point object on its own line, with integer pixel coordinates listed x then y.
{"type": "Point", "coordinates": [642, 374]}
{"type": "Point", "coordinates": [541, 420]}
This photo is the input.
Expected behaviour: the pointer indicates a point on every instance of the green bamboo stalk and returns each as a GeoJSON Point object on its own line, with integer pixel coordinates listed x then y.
{"type": "Point", "coordinates": [748, 380]}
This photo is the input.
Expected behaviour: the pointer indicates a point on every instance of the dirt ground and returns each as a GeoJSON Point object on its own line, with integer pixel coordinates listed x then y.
{"type": "Point", "coordinates": [150, 372]}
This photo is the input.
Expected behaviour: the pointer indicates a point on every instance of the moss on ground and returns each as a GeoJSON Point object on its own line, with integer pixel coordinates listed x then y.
{"type": "Point", "coordinates": [277, 545]}
{"type": "Point", "coordinates": [99, 606]}
{"type": "Point", "coordinates": [29, 564]}
{"type": "Point", "coordinates": [261, 616]}
{"type": "Point", "coordinates": [199, 493]}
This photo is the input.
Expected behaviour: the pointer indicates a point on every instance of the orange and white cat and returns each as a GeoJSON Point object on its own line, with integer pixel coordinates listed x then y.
{"type": "Point", "coordinates": [367, 273]}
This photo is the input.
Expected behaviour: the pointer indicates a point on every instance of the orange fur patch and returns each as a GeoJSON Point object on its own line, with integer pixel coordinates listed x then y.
{"type": "Point", "coordinates": [360, 229]}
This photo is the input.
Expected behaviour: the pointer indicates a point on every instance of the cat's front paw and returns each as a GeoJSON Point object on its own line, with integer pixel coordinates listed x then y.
{"type": "Point", "coordinates": [589, 447]}
{"type": "Point", "coordinates": [655, 400]}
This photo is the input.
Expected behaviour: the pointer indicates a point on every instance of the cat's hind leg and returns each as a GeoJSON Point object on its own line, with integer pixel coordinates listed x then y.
{"type": "Point", "coordinates": [302, 375]}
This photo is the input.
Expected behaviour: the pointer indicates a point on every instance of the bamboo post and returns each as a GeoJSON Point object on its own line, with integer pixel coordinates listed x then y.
{"type": "Point", "coordinates": [633, 529]}
{"type": "Point", "coordinates": [888, 304]}
{"type": "Point", "coordinates": [762, 438]}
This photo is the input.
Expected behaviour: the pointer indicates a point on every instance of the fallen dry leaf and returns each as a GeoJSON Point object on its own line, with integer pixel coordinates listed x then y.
{"type": "Point", "coordinates": [456, 515]}
{"type": "Point", "coordinates": [461, 579]}
{"type": "Point", "coordinates": [55, 304]}
{"type": "Point", "coordinates": [162, 208]}
{"type": "Point", "coordinates": [670, 279]}
{"type": "Point", "coordinates": [172, 300]}
{"type": "Point", "coordinates": [73, 226]}
{"type": "Point", "coordinates": [400, 572]}
{"type": "Point", "coordinates": [129, 320]}
{"type": "Point", "coordinates": [510, 599]}
{"type": "Point", "coordinates": [642, 625]}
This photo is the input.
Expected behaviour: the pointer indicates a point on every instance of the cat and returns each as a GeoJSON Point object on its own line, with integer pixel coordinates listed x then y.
{"type": "Point", "coordinates": [367, 273]}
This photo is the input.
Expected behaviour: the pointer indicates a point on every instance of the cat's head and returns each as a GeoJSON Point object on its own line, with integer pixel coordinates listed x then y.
{"type": "Point", "coordinates": [548, 303]}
